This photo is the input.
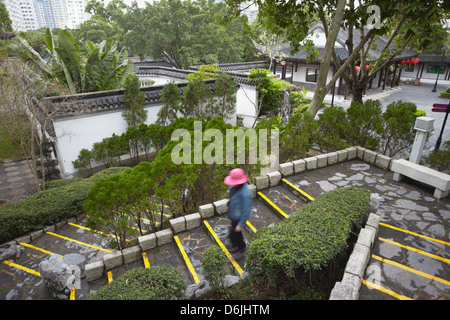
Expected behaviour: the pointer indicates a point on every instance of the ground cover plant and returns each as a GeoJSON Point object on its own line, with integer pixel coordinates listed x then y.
{"type": "Point", "coordinates": [156, 283]}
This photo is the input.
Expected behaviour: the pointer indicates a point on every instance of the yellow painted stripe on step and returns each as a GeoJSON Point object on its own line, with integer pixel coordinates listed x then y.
{"type": "Point", "coordinates": [420, 273]}
{"type": "Point", "coordinates": [92, 230]}
{"type": "Point", "coordinates": [110, 277]}
{"type": "Point", "coordinates": [413, 233]}
{"type": "Point", "coordinates": [416, 250]}
{"type": "Point", "coordinates": [144, 257]}
{"type": "Point", "coordinates": [384, 290]}
{"type": "Point", "coordinates": [72, 294]}
{"type": "Point", "coordinates": [298, 189]}
{"type": "Point", "coordinates": [273, 205]}
{"type": "Point", "coordinates": [233, 262]}
{"type": "Point", "coordinates": [36, 248]}
{"type": "Point", "coordinates": [76, 241]}
{"type": "Point", "coordinates": [251, 226]}
{"type": "Point", "coordinates": [186, 260]}
{"type": "Point", "coordinates": [18, 266]}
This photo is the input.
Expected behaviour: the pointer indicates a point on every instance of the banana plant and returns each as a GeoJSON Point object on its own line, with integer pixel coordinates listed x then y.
{"type": "Point", "coordinates": [85, 67]}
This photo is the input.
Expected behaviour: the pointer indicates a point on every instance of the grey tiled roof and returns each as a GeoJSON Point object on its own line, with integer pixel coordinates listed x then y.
{"type": "Point", "coordinates": [434, 58]}
{"type": "Point", "coordinates": [342, 51]}
{"type": "Point", "coordinates": [102, 101]}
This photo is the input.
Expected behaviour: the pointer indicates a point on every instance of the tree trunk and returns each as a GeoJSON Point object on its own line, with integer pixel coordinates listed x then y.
{"type": "Point", "coordinates": [320, 92]}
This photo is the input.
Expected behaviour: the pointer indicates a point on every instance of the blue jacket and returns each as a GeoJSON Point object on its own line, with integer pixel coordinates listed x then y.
{"type": "Point", "coordinates": [240, 205]}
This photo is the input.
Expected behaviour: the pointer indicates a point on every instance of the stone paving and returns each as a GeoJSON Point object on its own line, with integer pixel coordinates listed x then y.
{"type": "Point", "coordinates": [16, 181]}
{"type": "Point", "coordinates": [402, 204]}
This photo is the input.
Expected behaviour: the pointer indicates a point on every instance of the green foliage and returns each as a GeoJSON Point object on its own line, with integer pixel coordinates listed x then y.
{"type": "Point", "coordinates": [332, 129]}
{"type": "Point", "coordinates": [214, 265]}
{"type": "Point", "coordinates": [269, 91]}
{"type": "Point", "coordinates": [298, 137]}
{"type": "Point", "coordinates": [156, 283]}
{"type": "Point", "coordinates": [445, 93]}
{"type": "Point", "coordinates": [5, 21]}
{"type": "Point", "coordinates": [298, 101]}
{"type": "Point", "coordinates": [46, 165]}
{"type": "Point", "coordinates": [295, 138]}
{"type": "Point", "coordinates": [205, 72]}
{"type": "Point", "coordinates": [83, 163]}
{"type": "Point", "coordinates": [197, 99]}
{"type": "Point", "coordinates": [440, 160]}
{"type": "Point", "coordinates": [195, 96]}
{"type": "Point", "coordinates": [112, 204]}
{"type": "Point", "coordinates": [364, 123]}
{"type": "Point", "coordinates": [196, 38]}
{"type": "Point", "coordinates": [134, 100]}
{"type": "Point", "coordinates": [82, 67]}
{"type": "Point", "coordinates": [170, 96]}
{"type": "Point", "coordinates": [47, 207]}
{"type": "Point", "coordinates": [398, 132]}
{"type": "Point", "coordinates": [225, 90]}
{"type": "Point", "coordinates": [311, 238]}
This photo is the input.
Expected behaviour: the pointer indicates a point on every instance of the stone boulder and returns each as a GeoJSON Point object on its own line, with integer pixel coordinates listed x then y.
{"type": "Point", "coordinates": [12, 251]}
{"type": "Point", "coordinates": [61, 274]}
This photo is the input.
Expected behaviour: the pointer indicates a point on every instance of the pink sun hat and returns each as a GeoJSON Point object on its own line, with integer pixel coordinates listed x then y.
{"type": "Point", "coordinates": [236, 176]}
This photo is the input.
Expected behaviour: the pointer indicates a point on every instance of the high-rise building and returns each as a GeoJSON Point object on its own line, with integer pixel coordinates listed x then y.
{"type": "Point", "coordinates": [15, 13]}
{"type": "Point", "coordinates": [34, 14]}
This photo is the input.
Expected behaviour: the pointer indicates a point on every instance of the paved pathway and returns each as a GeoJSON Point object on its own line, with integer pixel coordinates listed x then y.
{"type": "Point", "coordinates": [424, 275]}
{"type": "Point", "coordinates": [16, 181]}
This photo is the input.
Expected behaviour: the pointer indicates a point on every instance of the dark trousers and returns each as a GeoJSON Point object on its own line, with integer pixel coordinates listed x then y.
{"type": "Point", "coordinates": [236, 237]}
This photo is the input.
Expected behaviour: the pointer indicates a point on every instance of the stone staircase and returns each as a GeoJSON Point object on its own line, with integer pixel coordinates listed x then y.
{"type": "Point", "coordinates": [181, 246]}
{"type": "Point", "coordinates": [276, 196]}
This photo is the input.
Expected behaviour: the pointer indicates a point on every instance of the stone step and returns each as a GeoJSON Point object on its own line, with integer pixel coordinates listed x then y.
{"type": "Point", "coordinates": [184, 250]}
{"type": "Point", "coordinates": [281, 201]}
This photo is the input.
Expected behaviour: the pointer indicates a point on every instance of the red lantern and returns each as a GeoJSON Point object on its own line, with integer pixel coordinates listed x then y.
{"type": "Point", "coordinates": [402, 61]}
{"type": "Point", "coordinates": [416, 60]}
{"type": "Point", "coordinates": [409, 61]}
{"type": "Point", "coordinates": [367, 67]}
{"type": "Point", "coordinates": [357, 69]}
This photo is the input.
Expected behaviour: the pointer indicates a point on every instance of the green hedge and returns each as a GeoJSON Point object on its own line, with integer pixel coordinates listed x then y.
{"type": "Point", "coordinates": [156, 283]}
{"type": "Point", "coordinates": [63, 200]}
{"type": "Point", "coordinates": [310, 238]}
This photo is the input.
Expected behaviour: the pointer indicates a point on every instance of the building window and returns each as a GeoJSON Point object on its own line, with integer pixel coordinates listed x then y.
{"type": "Point", "coordinates": [434, 68]}
{"type": "Point", "coordinates": [311, 75]}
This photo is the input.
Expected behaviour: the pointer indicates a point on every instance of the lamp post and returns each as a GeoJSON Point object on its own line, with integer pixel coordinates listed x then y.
{"type": "Point", "coordinates": [435, 84]}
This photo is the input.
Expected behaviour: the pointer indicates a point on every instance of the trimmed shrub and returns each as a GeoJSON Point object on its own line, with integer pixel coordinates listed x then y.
{"type": "Point", "coordinates": [214, 265]}
{"type": "Point", "coordinates": [311, 238]}
{"type": "Point", "coordinates": [440, 160]}
{"type": "Point", "coordinates": [156, 283]}
{"type": "Point", "coordinates": [445, 93]}
{"type": "Point", "coordinates": [48, 207]}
